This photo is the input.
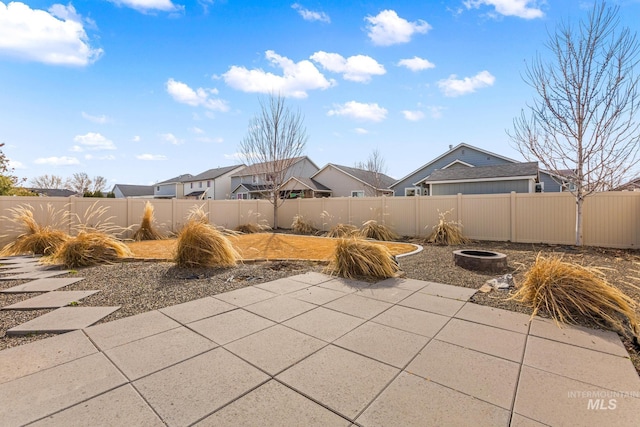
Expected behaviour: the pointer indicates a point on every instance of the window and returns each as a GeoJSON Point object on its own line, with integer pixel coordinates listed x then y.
{"type": "Point", "coordinates": [191, 185]}
{"type": "Point", "coordinates": [158, 188]}
{"type": "Point", "coordinates": [413, 191]}
{"type": "Point", "coordinates": [242, 196]}
{"type": "Point", "coordinates": [200, 184]}
{"type": "Point", "coordinates": [255, 179]}
{"type": "Point", "coordinates": [357, 193]}
{"type": "Point", "coordinates": [208, 183]}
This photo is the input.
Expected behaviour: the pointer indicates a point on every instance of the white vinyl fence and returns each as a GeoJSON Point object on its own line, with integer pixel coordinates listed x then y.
{"type": "Point", "coordinates": [610, 219]}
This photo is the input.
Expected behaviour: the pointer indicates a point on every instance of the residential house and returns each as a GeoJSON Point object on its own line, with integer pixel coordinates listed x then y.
{"type": "Point", "coordinates": [492, 180]}
{"type": "Point", "coordinates": [345, 181]}
{"type": "Point", "coordinates": [255, 182]}
{"type": "Point", "coordinates": [214, 184]}
{"type": "Point", "coordinates": [298, 187]}
{"type": "Point", "coordinates": [122, 191]}
{"type": "Point", "coordinates": [171, 188]}
{"type": "Point", "coordinates": [518, 177]}
{"type": "Point", "coordinates": [53, 192]}
{"type": "Point", "coordinates": [633, 185]}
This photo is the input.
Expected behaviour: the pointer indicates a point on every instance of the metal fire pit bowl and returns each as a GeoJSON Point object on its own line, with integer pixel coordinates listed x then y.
{"type": "Point", "coordinates": [478, 260]}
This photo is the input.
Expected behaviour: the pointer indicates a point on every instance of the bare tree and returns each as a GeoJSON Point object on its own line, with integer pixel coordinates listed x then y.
{"type": "Point", "coordinates": [99, 184]}
{"type": "Point", "coordinates": [275, 139]}
{"type": "Point", "coordinates": [49, 182]}
{"type": "Point", "coordinates": [375, 169]}
{"type": "Point", "coordinates": [80, 182]}
{"type": "Point", "coordinates": [583, 122]}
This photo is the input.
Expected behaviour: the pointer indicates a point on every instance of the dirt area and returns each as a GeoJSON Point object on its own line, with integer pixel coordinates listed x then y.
{"type": "Point", "coordinates": [261, 246]}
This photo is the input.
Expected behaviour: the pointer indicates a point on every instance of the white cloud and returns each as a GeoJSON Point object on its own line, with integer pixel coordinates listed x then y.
{"type": "Point", "coordinates": [14, 164]}
{"type": "Point", "coordinates": [413, 116]}
{"type": "Point", "coordinates": [209, 140]}
{"type": "Point", "coordinates": [136, 138]}
{"type": "Point", "coordinates": [387, 28]}
{"type": "Point", "coordinates": [360, 111]}
{"type": "Point", "coordinates": [196, 130]}
{"type": "Point", "coordinates": [361, 131]}
{"type": "Point", "coordinates": [171, 138]}
{"type": "Point", "coordinates": [416, 64]}
{"type": "Point", "coordinates": [150, 5]}
{"type": "Point", "coordinates": [358, 68]}
{"type": "Point", "coordinates": [55, 37]}
{"type": "Point", "coordinates": [96, 119]}
{"type": "Point", "coordinates": [200, 97]}
{"type": "Point", "coordinates": [92, 157]}
{"type": "Point", "coordinates": [57, 161]}
{"type": "Point", "coordinates": [527, 9]}
{"type": "Point", "coordinates": [151, 157]}
{"type": "Point", "coordinates": [92, 141]}
{"type": "Point", "coordinates": [452, 86]}
{"type": "Point", "coordinates": [296, 80]}
{"type": "Point", "coordinates": [310, 15]}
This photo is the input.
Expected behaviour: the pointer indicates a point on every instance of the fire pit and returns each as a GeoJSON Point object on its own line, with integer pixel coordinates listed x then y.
{"type": "Point", "coordinates": [480, 260]}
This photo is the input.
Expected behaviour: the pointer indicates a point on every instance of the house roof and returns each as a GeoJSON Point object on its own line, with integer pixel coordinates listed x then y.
{"type": "Point", "coordinates": [264, 167]}
{"type": "Point", "coordinates": [310, 183]}
{"type": "Point", "coordinates": [176, 179]}
{"type": "Point", "coordinates": [128, 190]}
{"type": "Point", "coordinates": [253, 188]}
{"type": "Point", "coordinates": [461, 145]}
{"type": "Point", "coordinates": [212, 173]}
{"type": "Point", "coordinates": [195, 194]}
{"type": "Point", "coordinates": [511, 170]}
{"type": "Point", "coordinates": [379, 182]}
{"type": "Point", "coordinates": [632, 185]}
{"type": "Point", "coordinates": [53, 192]}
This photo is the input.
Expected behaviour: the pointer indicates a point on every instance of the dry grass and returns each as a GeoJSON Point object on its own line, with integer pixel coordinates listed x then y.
{"type": "Point", "coordinates": [33, 238]}
{"type": "Point", "coordinates": [302, 226]}
{"type": "Point", "coordinates": [147, 229]}
{"type": "Point", "coordinates": [356, 258]}
{"type": "Point", "coordinates": [202, 245]}
{"type": "Point", "coordinates": [343, 230]}
{"type": "Point", "coordinates": [197, 213]}
{"type": "Point", "coordinates": [90, 247]}
{"type": "Point", "coordinates": [373, 230]}
{"type": "Point", "coordinates": [446, 232]}
{"type": "Point", "coordinates": [248, 228]}
{"type": "Point", "coordinates": [570, 292]}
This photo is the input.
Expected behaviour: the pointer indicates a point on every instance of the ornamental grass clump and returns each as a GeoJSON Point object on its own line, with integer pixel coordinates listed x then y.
{"type": "Point", "coordinates": [94, 240]}
{"type": "Point", "coordinates": [302, 226]}
{"type": "Point", "coordinates": [373, 230]}
{"type": "Point", "coordinates": [33, 238]}
{"type": "Point", "coordinates": [446, 232]}
{"type": "Point", "coordinates": [357, 258]}
{"type": "Point", "coordinates": [569, 292]}
{"type": "Point", "coordinates": [343, 230]}
{"type": "Point", "coordinates": [90, 247]}
{"type": "Point", "coordinates": [202, 245]}
{"type": "Point", "coordinates": [147, 229]}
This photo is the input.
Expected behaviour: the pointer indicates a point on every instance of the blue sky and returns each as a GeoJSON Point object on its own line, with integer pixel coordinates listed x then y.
{"type": "Point", "coordinates": [139, 91]}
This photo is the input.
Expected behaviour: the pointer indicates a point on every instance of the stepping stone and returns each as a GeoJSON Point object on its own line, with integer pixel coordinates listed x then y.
{"type": "Point", "coordinates": [28, 268]}
{"type": "Point", "coordinates": [62, 320]}
{"type": "Point", "coordinates": [34, 275]}
{"type": "Point", "coordinates": [42, 285]}
{"type": "Point", "coordinates": [19, 259]}
{"type": "Point", "coordinates": [54, 299]}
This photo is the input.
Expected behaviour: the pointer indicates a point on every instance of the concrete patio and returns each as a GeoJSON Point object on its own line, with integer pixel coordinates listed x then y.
{"type": "Point", "coordinates": [316, 350]}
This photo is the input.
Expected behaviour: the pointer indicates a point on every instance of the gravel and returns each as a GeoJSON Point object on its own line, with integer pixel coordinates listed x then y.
{"type": "Point", "coordinates": [143, 286]}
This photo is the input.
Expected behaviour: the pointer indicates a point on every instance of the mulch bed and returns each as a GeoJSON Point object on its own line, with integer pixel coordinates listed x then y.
{"type": "Point", "coordinates": [142, 286]}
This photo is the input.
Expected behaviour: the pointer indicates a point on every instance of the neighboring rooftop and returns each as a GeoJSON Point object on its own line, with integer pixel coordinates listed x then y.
{"type": "Point", "coordinates": [375, 179]}
{"type": "Point", "coordinates": [53, 192]}
{"type": "Point", "coordinates": [213, 173]}
{"type": "Point", "coordinates": [484, 172]}
{"type": "Point", "coordinates": [129, 190]}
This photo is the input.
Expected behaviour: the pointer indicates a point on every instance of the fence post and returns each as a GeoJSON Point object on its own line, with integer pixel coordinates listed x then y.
{"type": "Point", "coordinates": [174, 214]}
{"type": "Point", "coordinates": [512, 219]}
{"type": "Point", "coordinates": [459, 208]}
